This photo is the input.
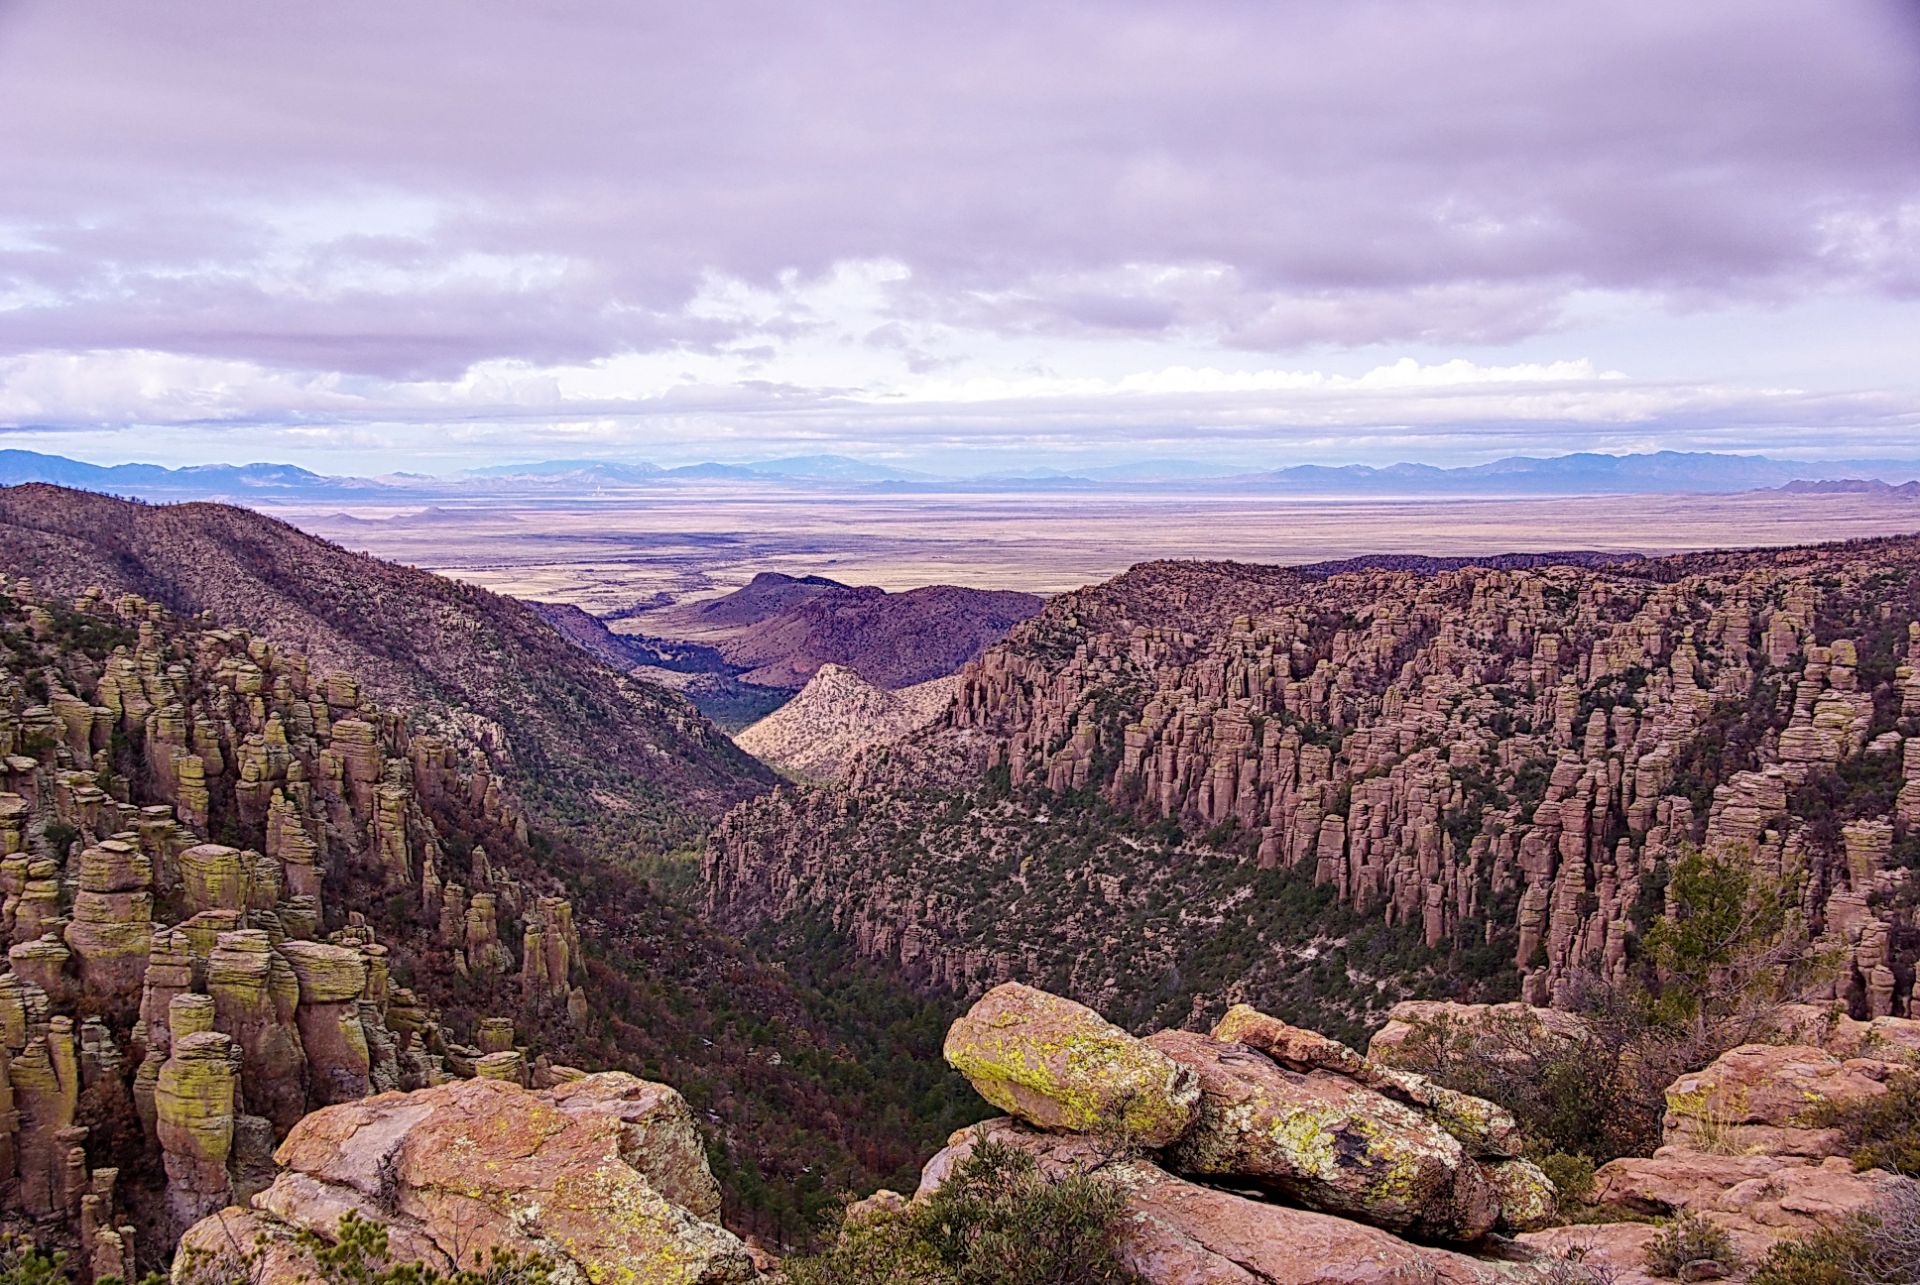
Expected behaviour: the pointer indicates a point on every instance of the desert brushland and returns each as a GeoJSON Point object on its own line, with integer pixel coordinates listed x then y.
{"type": "Point", "coordinates": [609, 553]}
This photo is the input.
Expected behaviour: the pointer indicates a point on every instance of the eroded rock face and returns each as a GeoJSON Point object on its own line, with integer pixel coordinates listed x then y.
{"type": "Point", "coordinates": [1059, 1065]}
{"type": "Point", "coordinates": [605, 1173]}
{"type": "Point", "coordinates": [1489, 755]}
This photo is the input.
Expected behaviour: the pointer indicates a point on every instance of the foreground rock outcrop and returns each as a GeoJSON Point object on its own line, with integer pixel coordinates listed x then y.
{"type": "Point", "coordinates": [604, 1175]}
{"type": "Point", "coordinates": [1306, 1163]}
{"type": "Point", "coordinates": [1178, 1232]}
{"type": "Point", "coordinates": [1307, 1126]}
{"type": "Point", "coordinates": [1741, 1146]}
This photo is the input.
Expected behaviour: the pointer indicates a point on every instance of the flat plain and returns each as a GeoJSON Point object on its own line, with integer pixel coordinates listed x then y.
{"type": "Point", "coordinates": [609, 552]}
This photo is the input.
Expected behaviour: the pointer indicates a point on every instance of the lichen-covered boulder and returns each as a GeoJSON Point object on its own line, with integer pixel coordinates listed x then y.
{"type": "Point", "coordinates": [605, 1174]}
{"type": "Point", "coordinates": [1061, 1066]}
{"type": "Point", "coordinates": [1525, 1194]}
{"type": "Point", "coordinates": [1483, 1128]}
{"type": "Point", "coordinates": [1176, 1232]}
{"type": "Point", "coordinates": [1327, 1142]}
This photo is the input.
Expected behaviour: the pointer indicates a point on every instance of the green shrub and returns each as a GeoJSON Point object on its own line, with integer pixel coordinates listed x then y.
{"type": "Point", "coordinates": [1598, 1093]}
{"type": "Point", "coordinates": [1730, 952]}
{"type": "Point", "coordinates": [997, 1220]}
{"type": "Point", "coordinates": [60, 836]}
{"type": "Point", "coordinates": [1571, 1176]}
{"type": "Point", "coordinates": [1686, 1242]}
{"type": "Point", "coordinates": [1878, 1247]}
{"type": "Point", "coordinates": [22, 1263]}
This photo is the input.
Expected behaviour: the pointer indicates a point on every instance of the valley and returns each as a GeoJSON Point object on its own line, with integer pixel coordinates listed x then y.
{"type": "Point", "coordinates": [782, 643]}
{"type": "Point", "coordinates": [611, 550]}
{"type": "Point", "coordinates": [448, 842]}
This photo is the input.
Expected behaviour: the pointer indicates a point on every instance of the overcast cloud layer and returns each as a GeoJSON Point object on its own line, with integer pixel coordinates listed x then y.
{"type": "Point", "coordinates": [369, 234]}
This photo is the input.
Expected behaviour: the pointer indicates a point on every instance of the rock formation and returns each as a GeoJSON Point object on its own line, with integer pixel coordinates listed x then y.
{"type": "Point", "coordinates": [1306, 1162]}
{"type": "Point", "coordinates": [1497, 765]}
{"type": "Point", "coordinates": [603, 1174]}
{"type": "Point", "coordinates": [203, 987]}
{"type": "Point", "coordinates": [1057, 1064]}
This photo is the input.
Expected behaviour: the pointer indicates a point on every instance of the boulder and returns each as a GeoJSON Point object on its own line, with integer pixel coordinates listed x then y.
{"type": "Point", "coordinates": [1331, 1144]}
{"type": "Point", "coordinates": [1059, 1065]}
{"type": "Point", "coordinates": [1526, 1196]}
{"type": "Point", "coordinates": [1177, 1232]}
{"type": "Point", "coordinates": [605, 1174]}
{"type": "Point", "coordinates": [1483, 1128]}
{"type": "Point", "coordinates": [1755, 1099]}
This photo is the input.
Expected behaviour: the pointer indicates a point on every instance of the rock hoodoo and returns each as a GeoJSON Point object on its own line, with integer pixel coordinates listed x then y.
{"type": "Point", "coordinates": [1501, 764]}
{"type": "Point", "coordinates": [204, 990]}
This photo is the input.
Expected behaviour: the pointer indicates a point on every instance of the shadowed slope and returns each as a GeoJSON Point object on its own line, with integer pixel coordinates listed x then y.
{"type": "Point", "coordinates": [566, 727]}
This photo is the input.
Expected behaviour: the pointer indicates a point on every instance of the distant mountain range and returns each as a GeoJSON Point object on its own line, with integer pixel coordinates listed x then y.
{"type": "Point", "coordinates": [156, 481]}
{"type": "Point", "coordinates": [1586, 473]}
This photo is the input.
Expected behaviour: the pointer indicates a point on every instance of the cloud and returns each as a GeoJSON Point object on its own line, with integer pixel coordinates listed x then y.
{"type": "Point", "coordinates": [1456, 408]}
{"type": "Point", "coordinates": [379, 210]}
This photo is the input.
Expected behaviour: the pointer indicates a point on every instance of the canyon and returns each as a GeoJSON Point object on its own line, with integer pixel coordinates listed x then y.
{"type": "Point", "coordinates": [305, 854]}
{"type": "Point", "coordinates": [1198, 783]}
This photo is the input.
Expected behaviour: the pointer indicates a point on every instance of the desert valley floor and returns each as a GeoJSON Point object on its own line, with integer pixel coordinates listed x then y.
{"type": "Point", "coordinates": [606, 553]}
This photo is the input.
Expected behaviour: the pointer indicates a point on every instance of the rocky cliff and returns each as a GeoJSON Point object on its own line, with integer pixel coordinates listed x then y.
{"type": "Point", "coordinates": [1205, 782]}
{"type": "Point", "coordinates": [214, 860]}
{"type": "Point", "coordinates": [564, 731]}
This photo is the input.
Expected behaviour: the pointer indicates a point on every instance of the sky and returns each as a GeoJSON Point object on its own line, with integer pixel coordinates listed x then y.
{"type": "Point", "coordinates": [367, 235]}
